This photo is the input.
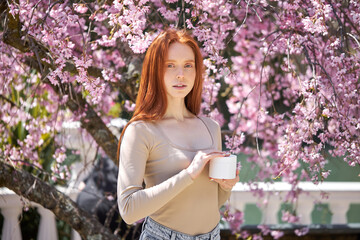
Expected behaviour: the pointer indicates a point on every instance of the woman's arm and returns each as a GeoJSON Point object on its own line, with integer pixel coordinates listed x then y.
{"type": "Point", "coordinates": [135, 202]}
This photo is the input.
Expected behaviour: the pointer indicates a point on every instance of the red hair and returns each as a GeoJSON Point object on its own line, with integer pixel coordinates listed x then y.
{"type": "Point", "coordinates": [151, 101]}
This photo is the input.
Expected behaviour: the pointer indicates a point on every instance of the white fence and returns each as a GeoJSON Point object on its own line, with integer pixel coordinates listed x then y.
{"type": "Point", "coordinates": [11, 206]}
{"type": "Point", "coordinates": [341, 195]}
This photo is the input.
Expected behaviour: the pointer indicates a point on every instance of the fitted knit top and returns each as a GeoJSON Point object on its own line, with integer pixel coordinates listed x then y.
{"type": "Point", "coordinates": [171, 197]}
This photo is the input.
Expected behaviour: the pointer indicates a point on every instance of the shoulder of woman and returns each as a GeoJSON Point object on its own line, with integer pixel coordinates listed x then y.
{"type": "Point", "coordinates": [138, 127]}
{"type": "Point", "coordinates": [139, 132]}
{"type": "Point", "coordinates": [210, 122]}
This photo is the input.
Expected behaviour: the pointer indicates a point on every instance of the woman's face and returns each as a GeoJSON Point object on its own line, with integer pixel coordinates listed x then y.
{"type": "Point", "coordinates": [180, 71]}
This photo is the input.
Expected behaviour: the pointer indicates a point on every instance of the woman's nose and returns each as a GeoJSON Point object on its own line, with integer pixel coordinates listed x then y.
{"type": "Point", "coordinates": [180, 74]}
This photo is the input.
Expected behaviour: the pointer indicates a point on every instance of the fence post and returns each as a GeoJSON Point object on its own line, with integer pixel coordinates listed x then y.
{"type": "Point", "coordinates": [11, 228]}
{"type": "Point", "coordinates": [47, 228]}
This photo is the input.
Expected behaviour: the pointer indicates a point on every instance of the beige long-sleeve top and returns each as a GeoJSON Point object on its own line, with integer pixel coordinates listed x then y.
{"type": "Point", "coordinates": [171, 197]}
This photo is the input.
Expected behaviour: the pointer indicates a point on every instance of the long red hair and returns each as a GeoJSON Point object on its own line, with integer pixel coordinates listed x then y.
{"type": "Point", "coordinates": [151, 101]}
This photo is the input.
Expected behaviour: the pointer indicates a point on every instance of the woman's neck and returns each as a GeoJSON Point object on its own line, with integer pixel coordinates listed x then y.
{"type": "Point", "coordinates": [177, 110]}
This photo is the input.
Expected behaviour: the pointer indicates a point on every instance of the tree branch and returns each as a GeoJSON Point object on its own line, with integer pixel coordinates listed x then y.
{"type": "Point", "coordinates": [60, 204]}
{"type": "Point", "coordinates": [341, 25]}
{"type": "Point", "coordinates": [8, 100]}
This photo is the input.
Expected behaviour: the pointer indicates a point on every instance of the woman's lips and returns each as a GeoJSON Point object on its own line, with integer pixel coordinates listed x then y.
{"type": "Point", "coordinates": [179, 86]}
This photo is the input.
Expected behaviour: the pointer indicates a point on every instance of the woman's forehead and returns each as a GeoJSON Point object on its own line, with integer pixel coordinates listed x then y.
{"type": "Point", "coordinates": [180, 51]}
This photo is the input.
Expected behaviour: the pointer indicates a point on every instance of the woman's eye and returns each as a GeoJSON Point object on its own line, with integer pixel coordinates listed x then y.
{"type": "Point", "coordinates": [188, 66]}
{"type": "Point", "coordinates": [170, 65]}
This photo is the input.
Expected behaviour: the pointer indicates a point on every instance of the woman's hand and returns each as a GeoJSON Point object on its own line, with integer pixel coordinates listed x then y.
{"type": "Point", "coordinates": [201, 159]}
{"type": "Point", "coordinates": [227, 184]}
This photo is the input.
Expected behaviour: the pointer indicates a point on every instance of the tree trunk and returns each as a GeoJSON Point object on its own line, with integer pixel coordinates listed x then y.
{"type": "Point", "coordinates": [34, 189]}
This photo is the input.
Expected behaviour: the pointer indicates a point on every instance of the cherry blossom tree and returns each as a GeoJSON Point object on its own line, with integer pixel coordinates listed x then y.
{"type": "Point", "coordinates": [281, 78]}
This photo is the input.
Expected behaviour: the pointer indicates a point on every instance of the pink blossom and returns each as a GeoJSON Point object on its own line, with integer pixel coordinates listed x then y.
{"type": "Point", "coordinates": [234, 142]}
{"type": "Point", "coordinates": [235, 219]}
{"type": "Point", "coordinates": [289, 217]}
{"type": "Point", "coordinates": [277, 234]}
{"type": "Point", "coordinates": [302, 231]}
{"type": "Point", "coordinates": [130, 107]}
{"type": "Point", "coordinates": [80, 8]}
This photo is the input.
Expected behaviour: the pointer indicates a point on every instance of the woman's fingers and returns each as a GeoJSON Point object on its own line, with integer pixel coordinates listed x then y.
{"type": "Point", "coordinates": [201, 159]}
{"type": "Point", "coordinates": [224, 184]}
{"type": "Point", "coordinates": [214, 152]}
{"type": "Point", "coordinates": [227, 184]}
{"type": "Point", "coordinates": [206, 156]}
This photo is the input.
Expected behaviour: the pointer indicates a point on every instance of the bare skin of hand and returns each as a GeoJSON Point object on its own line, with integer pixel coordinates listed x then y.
{"type": "Point", "coordinates": [227, 184]}
{"type": "Point", "coordinates": [201, 159]}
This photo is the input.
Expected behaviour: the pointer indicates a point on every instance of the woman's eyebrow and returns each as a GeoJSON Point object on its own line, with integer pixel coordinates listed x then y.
{"type": "Point", "coordinates": [189, 60]}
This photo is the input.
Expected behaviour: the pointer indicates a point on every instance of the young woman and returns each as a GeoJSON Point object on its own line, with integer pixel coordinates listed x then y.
{"type": "Point", "coordinates": [167, 146]}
